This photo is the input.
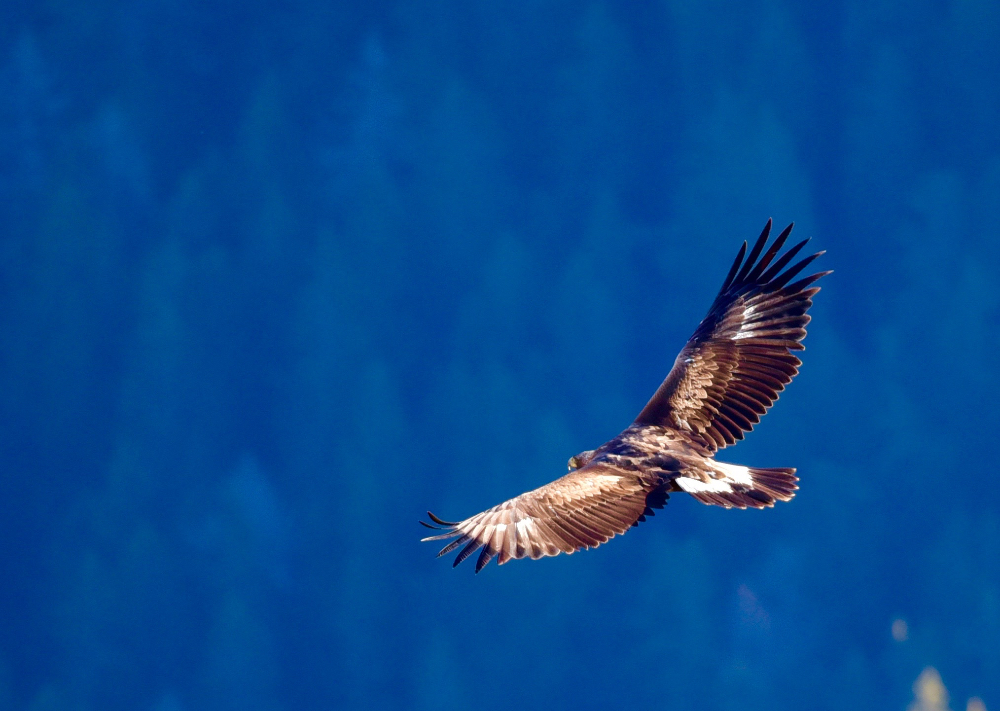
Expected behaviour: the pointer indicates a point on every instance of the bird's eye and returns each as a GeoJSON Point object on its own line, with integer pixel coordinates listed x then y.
{"type": "Point", "coordinates": [571, 464]}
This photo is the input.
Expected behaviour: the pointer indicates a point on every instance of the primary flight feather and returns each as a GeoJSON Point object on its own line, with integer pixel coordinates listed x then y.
{"type": "Point", "coordinates": [728, 375]}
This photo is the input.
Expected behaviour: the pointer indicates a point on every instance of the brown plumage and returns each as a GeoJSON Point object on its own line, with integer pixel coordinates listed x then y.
{"type": "Point", "coordinates": [728, 375]}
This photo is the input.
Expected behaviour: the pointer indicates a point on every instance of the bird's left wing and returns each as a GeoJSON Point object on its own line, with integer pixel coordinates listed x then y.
{"type": "Point", "coordinates": [583, 509]}
{"type": "Point", "coordinates": [740, 357]}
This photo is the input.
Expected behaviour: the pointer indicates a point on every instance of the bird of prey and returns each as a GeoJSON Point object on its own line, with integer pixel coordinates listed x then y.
{"type": "Point", "coordinates": [728, 375]}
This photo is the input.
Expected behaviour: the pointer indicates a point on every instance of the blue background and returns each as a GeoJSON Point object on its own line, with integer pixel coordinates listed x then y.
{"type": "Point", "coordinates": [275, 277]}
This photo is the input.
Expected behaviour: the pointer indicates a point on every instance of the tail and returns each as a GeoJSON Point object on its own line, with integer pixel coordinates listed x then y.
{"type": "Point", "coordinates": [777, 483]}
{"type": "Point", "coordinates": [734, 486]}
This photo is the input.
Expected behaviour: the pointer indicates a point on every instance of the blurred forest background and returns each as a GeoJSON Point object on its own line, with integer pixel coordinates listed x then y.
{"type": "Point", "coordinates": [275, 277]}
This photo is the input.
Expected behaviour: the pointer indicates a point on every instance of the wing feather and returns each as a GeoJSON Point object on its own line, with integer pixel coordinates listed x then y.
{"type": "Point", "coordinates": [754, 253]}
{"type": "Point", "coordinates": [771, 252]}
{"type": "Point", "coordinates": [583, 509]}
{"type": "Point", "coordinates": [740, 356]}
{"type": "Point", "coordinates": [467, 551]}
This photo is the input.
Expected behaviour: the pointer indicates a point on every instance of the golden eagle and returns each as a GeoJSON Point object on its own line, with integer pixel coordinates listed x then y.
{"type": "Point", "coordinates": [726, 377]}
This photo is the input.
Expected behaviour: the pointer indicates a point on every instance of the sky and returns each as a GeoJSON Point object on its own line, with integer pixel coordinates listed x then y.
{"type": "Point", "coordinates": [278, 277]}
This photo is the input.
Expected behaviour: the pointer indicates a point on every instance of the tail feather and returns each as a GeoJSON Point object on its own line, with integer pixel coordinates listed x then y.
{"type": "Point", "coordinates": [733, 490]}
{"type": "Point", "coordinates": [778, 483]}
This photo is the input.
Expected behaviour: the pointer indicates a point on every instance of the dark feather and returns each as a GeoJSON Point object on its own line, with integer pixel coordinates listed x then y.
{"type": "Point", "coordinates": [740, 356]}
{"type": "Point", "coordinates": [453, 545]}
{"type": "Point", "coordinates": [467, 551]}
{"type": "Point", "coordinates": [785, 259]}
{"type": "Point", "coordinates": [438, 521]}
{"type": "Point", "coordinates": [773, 250]}
{"type": "Point", "coordinates": [757, 247]}
{"type": "Point", "coordinates": [484, 557]}
{"type": "Point", "coordinates": [739, 260]}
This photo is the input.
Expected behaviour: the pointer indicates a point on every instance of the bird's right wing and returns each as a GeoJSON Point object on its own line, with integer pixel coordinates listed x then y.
{"type": "Point", "coordinates": [583, 509]}
{"type": "Point", "coordinates": [740, 356]}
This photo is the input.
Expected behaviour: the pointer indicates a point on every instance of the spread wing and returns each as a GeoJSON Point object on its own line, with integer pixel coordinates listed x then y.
{"type": "Point", "coordinates": [740, 357]}
{"type": "Point", "coordinates": [583, 509]}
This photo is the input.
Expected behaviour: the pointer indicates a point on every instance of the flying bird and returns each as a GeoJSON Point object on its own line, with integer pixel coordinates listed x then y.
{"type": "Point", "coordinates": [728, 375]}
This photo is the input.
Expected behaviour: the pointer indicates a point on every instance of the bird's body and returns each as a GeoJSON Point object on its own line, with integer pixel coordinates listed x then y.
{"type": "Point", "coordinates": [729, 373]}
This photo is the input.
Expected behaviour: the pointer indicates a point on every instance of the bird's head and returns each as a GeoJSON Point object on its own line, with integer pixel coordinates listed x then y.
{"type": "Point", "coordinates": [580, 460]}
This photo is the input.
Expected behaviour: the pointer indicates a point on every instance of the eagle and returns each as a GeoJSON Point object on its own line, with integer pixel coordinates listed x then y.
{"type": "Point", "coordinates": [727, 375]}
